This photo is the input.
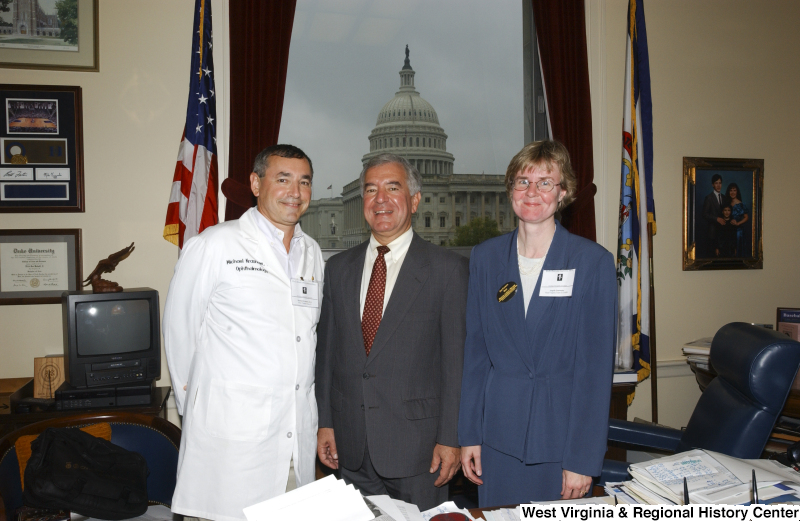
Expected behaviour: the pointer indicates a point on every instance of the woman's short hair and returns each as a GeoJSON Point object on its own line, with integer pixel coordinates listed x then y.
{"type": "Point", "coordinates": [261, 162]}
{"type": "Point", "coordinates": [413, 178]}
{"type": "Point", "coordinates": [547, 154]}
{"type": "Point", "coordinates": [738, 192]}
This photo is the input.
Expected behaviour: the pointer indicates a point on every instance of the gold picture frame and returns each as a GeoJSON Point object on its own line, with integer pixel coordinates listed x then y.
{"type": "Point", "coordinates": [17, 54]}
{"type": "Point", "coordinates": [721, 232]}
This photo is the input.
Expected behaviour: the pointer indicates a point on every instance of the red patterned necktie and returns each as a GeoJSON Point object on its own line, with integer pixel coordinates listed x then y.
{"type": "Point", "coordinates": [373, 305]}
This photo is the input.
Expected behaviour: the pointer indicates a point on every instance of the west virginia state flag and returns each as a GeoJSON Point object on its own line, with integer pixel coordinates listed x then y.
{"type": "Point", "coordinates": [636, 206]}
{"type": "Point", "coordinates": [193, 199]}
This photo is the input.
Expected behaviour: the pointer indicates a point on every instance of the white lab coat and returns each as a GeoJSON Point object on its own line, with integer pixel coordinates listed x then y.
{"type": "Point", "coordinates": [247, 355]}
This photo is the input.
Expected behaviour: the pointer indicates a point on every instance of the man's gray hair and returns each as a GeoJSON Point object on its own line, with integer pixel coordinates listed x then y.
{"type": "Point", "coordinates": [413, 178]}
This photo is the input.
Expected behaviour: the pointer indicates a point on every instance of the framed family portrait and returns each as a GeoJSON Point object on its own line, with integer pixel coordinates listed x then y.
{"type": "Point", "coordinates": [722, 213]}
{"type": "Point", "coordinates": [36, 266]}
{"type": "Point", "coordinates": [41, 149]}
{"type": "Point", "coordinates": [50, 34]}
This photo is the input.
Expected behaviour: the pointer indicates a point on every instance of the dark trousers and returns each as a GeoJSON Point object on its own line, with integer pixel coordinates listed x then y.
{"type": "Point", "coordinates": [418, 489]}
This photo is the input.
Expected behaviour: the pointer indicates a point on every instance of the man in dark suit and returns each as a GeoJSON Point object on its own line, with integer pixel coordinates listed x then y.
{"type": "Point", "coordinates": [712, 214]}
{"type": "Point", "coordinates": [390, 349]}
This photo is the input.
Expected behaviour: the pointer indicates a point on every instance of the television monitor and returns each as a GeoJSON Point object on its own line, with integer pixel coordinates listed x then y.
{"type": "Point", "coordinates": [111, 339]}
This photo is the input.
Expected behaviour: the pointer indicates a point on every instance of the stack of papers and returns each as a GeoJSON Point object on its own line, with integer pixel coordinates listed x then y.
{"type": "Point", "coordinates": [698, 351]}
{"type": "Point", "coordinates": [712, 478]}
{"type": "Point", "coordinates": [327, 498]}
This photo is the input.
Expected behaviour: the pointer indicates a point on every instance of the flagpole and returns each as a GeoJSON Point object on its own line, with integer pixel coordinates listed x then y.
{"type": "Point", "coordinates": [653, 363]}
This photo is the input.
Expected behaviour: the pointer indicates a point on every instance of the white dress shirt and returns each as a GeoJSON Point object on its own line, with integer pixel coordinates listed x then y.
{"type": "Point", "coordinates": [289, 260]}
{"type": "Point", "coordinates": [394, 261]}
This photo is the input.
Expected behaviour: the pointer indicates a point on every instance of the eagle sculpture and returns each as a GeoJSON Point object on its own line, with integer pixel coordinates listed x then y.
{"type": "Point", "coordinates": [107, 265]}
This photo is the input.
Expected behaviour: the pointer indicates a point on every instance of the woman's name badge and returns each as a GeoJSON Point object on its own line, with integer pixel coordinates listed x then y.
{"type": "Point", "coordinates": [508, 290]}
{"type": "Point", "coordinates": [557, 283]}
{"type": "Point", "coordinates": [305, 293]}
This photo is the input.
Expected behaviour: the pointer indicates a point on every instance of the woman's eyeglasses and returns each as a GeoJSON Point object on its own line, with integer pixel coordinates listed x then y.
{"type": "Point", "coordinates": [542, 185]}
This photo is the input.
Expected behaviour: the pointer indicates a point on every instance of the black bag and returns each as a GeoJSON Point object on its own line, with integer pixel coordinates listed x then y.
{"type": "Point", "coordinates": [72, 470]}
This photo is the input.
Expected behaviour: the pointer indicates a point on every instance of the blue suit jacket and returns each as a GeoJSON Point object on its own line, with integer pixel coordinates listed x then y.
{"type": "Point", "coordinates": [538, 387]}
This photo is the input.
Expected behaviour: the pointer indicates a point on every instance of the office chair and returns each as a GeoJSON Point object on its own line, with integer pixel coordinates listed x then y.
{"type": "Point", "coordinates": [154, 438]}
{"type": "Point", "coordinates": [738, 410]}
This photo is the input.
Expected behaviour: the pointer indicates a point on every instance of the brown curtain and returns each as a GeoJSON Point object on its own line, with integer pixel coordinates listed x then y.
{"type": "Point", "coordinates": [561, 31]}
{"type": "Point", "coordinates": [260, 32]}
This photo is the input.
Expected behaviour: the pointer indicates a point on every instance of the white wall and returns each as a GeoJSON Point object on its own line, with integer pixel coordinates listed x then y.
{"type": "Point", "coordinates": [724, 84]}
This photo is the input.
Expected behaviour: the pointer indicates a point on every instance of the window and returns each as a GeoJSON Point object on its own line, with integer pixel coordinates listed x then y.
{"type": "Point", "coordinates": [333, 244]}
{"type": "Point", "coordinates": [502, 216]}
{"type": "Point", "coordinates": [417, 141]}
{"type": "Point", "coordinates": [336, 41]}
{"type": "Point", "coordinates": [458, 220]}
{"type": "Point", "coordinates": [442, 243]}
{"type": "Point", "coordinates": [458, 200]}
{"type": "Point", "coordinates": [404, 141]}
{"type": "Point", "coordinates": [427, 221]}
{"type": "Point", "coordinates": [485, 198]}
{"type": "Point", "coordinates": [441, 199]}
{"type": "Point", "coordinates": [471, 198]}
{"type": "Point", "coordinates": [441, 222]}
{"type": "Point", "coordinates": [333, 215]}
{"type": "Point", "coordinates": [427, 199]}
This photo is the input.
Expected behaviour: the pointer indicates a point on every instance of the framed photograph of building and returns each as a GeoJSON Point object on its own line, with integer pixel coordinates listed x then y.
{"type": "Point", "coordinates": [722, 213]}
{"type": "Point", "coordinates": [49, 34]}
{"type": "Point", "coordinates": [36, 266]}
{"type": "Point", "coordinates": [41, 149]}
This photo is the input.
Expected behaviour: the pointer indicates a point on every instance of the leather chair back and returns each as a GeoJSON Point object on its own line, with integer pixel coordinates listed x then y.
{"type": "Point", "coordinates": [737, 411]}
{"type": "Point", "coordinates": [154, 438]}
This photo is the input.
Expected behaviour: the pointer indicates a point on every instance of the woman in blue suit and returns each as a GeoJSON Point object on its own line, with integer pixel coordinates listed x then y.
{"type": "Point", "coordinates": [541, 332]}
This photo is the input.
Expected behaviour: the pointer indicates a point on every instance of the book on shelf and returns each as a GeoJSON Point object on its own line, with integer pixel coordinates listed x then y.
{"type": "Point", "coordinates": [625, 377]}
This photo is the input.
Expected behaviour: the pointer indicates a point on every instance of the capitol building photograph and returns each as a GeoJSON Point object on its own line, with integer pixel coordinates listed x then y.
{"type": "Point", "coordinates": [409, 126]}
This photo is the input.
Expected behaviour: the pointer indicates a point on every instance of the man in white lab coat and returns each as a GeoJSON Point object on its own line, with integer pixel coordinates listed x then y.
{"type": "Point", "coordinates": [240, 332]}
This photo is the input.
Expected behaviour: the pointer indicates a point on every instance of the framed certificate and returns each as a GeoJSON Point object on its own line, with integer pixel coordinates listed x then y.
{"type": "Point", "coordinates": [36, 266]}
{"type": "Point", "coordinates": [41, 149]}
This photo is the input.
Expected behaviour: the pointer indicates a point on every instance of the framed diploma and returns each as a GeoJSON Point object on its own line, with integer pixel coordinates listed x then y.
{"type": "Point", "coordinates": [36, 266]}
{"type": "Point", "coordinates": [41, 149]}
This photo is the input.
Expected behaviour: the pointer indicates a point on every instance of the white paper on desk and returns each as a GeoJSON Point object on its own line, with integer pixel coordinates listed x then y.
{"type": "Point", "coordinates": [327, 498]}
{"type": "Point", "coordinates": [388, 505]}
{"type": "Point", "coordinates": [767, 472]}
{"type": "Point", "coordinates": [410, 511]}
{"type": "Point", "coordinates": [702, 472]}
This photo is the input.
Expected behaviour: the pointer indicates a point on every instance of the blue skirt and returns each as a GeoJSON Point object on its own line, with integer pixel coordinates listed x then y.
{"type": "Point", "coordinates": [508, 481]}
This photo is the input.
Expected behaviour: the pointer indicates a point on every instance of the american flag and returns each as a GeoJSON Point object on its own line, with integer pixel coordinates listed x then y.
{"type": "Point", "coordinates": [636, 207]}
{"type": "Point", "coordinates": [193, 198]}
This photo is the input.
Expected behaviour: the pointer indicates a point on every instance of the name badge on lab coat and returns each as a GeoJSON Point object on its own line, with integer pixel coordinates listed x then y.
{"type": "Point", "coordinates": [557, 283]}
{"type": "Point", "coordinates": [305, 293]}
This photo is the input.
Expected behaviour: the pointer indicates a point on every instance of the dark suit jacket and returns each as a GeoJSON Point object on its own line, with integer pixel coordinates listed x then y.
{"type": "Point", "coordinates": [404, 397]}
{"type": "Point", "coordinates": [538, 387]}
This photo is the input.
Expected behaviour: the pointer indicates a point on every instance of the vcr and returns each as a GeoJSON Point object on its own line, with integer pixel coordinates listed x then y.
{"type": "Point", "coordinates": [116, 373]}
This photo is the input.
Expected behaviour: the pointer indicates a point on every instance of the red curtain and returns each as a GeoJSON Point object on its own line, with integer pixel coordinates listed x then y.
{"type": "Point", "coordinates": [561, 32]}
{"type": "Point", "coordinates": [260, 32]}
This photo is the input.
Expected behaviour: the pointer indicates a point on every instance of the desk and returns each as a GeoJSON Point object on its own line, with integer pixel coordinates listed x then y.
{"type": "Point", "coordinates": [157, 407]}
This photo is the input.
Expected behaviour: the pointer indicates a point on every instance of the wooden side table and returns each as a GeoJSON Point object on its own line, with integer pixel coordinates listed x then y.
{"type": "Point", "coordinates": [158, 407]}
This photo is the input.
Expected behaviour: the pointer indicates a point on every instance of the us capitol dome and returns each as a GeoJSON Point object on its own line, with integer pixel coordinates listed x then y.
{"type": "Point", "coordinates": [409, 126]}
